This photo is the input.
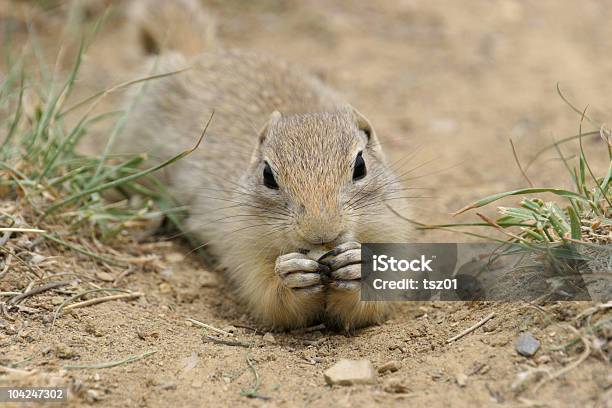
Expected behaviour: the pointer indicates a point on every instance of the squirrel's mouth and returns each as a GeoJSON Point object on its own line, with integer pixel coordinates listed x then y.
{"type": "Point", "coordinates": [315, 252]}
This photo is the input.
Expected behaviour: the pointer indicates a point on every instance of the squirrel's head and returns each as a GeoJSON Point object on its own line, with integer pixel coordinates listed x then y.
{"type": "Point", "coordinates": [318, 179]}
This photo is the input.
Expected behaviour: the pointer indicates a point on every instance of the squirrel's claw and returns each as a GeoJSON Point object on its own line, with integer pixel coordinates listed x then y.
{"type": "Point", "coordinates": [298, 272]}
{"type": "Point", "coordinates": [344, 262]}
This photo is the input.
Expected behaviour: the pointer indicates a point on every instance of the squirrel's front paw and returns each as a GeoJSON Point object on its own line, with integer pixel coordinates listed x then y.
{"type": "Point", "coordinates": [299, 273]}
{"type": "Point", "coordinates": [344, 263]}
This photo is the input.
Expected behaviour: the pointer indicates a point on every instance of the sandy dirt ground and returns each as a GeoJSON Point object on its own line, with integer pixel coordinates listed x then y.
{"type": "Point", "coordinates": [449, 83]}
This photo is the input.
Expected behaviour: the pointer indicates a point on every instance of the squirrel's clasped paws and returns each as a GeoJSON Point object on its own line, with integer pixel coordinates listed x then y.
{"type": "Point", "coordinates": [299, 273]}
{"type": "Point", "coordinates": [344, 263]}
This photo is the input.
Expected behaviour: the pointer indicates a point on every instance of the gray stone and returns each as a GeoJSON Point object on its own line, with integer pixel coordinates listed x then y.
{"type": "Point", "coordinates": [526, 344]}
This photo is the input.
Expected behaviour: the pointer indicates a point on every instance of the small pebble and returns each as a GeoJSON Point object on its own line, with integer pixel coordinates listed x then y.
{"type": "Point", "coordinates": [57, 300]}
{"type": "Point", "coordinates": [350, 372]}
{"type": "Point", "coordinates": [64, 352]}
{"type": "Point", "coordinates": [391, 366]}
{"type": "Point", "coordinates": [437, 375]}
{"type": "Point", "coordinates": [175, 257]}
{"type": "Point", "coordinates": [167, 385]}
{"type": "Point", "coordinates": [545, 359]}
{"type": "Point", "coordinates": [104, 276]}
{"type": "Point", "coordinates": [165, 287]}
{"type": "Point", "coordinates": [395, 386]}
{"type": "Point", "coordinates": [461, 380]}
{"type": "Point", "coordinates": [92, 396]}
{"type": "Point", "coordinates": [527, 345]}
{"type": "Point", "coordinates": [37, 259]}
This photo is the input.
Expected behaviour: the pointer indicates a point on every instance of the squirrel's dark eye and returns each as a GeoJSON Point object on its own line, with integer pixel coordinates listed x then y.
{"type": "Point", "coordinates": [268, 176]}
{"type": "Point", "coordinates": [359, 171]}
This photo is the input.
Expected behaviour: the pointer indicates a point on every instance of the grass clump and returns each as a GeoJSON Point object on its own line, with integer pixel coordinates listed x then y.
{"type": "Point", "coordinates": [46, 184]}
{"type": "Point", "coordinates": [582, 215]}
{"type": "Point", "coordinates": [571, 231]}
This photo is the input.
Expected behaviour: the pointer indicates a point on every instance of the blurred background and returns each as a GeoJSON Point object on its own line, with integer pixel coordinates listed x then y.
{"type": "Point", "coordinates": [448, 83]}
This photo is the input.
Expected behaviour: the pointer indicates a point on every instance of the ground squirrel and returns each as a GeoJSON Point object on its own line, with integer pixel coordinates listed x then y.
{"type": "Point", "coordinates": [288, 172]}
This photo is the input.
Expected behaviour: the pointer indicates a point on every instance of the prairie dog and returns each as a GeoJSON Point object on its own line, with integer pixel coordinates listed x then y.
{"type": "Point", "coordinates": [287, 172]}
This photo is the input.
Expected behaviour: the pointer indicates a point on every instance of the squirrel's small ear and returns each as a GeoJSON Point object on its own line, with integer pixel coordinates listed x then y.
{"type": "Point", "coordinates": [274, 118]}
{"type": "Point", "coordinates": [364, 124]}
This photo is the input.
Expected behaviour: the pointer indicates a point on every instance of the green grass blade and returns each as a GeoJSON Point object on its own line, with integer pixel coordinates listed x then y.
{"type": "Point", "coordinates": [540, 152]}
{"type": "Point", "coordinates": [82, 250]}
{"type": "Point", "coordinates": [524, 191]}
{"type": "Point", "coordinates": [605, 184]}
{"type": "Point", "coordinates": [588, 167]}
{"type": "Point", "coordinates": [574, 108]}
{"type": "Point", "coordinates": [68, 143]}
{"type": "Point", "coordinates": [17, 116]}
{"type": "Point", "coordinates": [116, 88]}
{"type": "Point", "coordinates": [574, 223]}
{"type": "Point", "coordinates": [566, 164]}
{"type": "Point", "coordinates": [50, 109]}
{"type": "Point", "coordinates": [123, 180]}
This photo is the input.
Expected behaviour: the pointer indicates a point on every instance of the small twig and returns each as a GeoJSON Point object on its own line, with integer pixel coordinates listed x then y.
{"type": "Point", "coordinates": [226, 342]}
{"type": "Point", "coordinates": [128, 360]}
{"type": "Point", "coordinates": [29, 287]}
{"type": "Point", "coordinates": [11, 229]}
{"type": "Point", "coordinates": [5, 237]}
{"type": "Point", "coordinates": [138, 260]}
{"type": "Point", "coordinates": [82, 250]}
{"type": "Point", "coordinates": [101, 300]}
{"type": "Point", "coordinates": [34, 243]}
{"type": "Point", "coordinates": [37, 290]}
{"type": "Point", "coordinates": [10, 293]}
{"type": "Point", "coordinates": [78, 295]}
{"type": "Point", "coordinates": [7, 263]}
{"type": "Point", "coordinates": [592, 310]}
{"type": "Point", "coordinates": [499, 227]}
{"type": "Point", "coordinates": [36, 273]}
{"type": "Point", "coordinates": [471, 329]}
{"type": "Point", "coordinates": [244, 326]}
{"type": "Point", "coordinates": [123, 274]}
{"type": "Point", "coordinates": [12, 370]}
{"type": "Point", "coordinates": [585, 354]}
{"type": "Point", "coordinates": [209, 327]}
{"type": "Point", "coordinates": [25, 309]}
{"type": "Point", "coordinates": [25, 360]}
{"type": "Point", "coordinates": [3, 312]}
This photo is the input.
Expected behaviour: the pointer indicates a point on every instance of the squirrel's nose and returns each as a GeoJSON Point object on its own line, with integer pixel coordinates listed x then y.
{"type": "Point", "coordinates": [320, 236]}
{"type": "Point", "coordinates": [319, 224]}
{"type": "Point", "coordinates": [326, 239]}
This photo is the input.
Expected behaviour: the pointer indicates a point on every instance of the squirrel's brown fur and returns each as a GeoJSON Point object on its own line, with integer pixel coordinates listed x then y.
{"type": "Point", "coordinates": [310, 142]}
